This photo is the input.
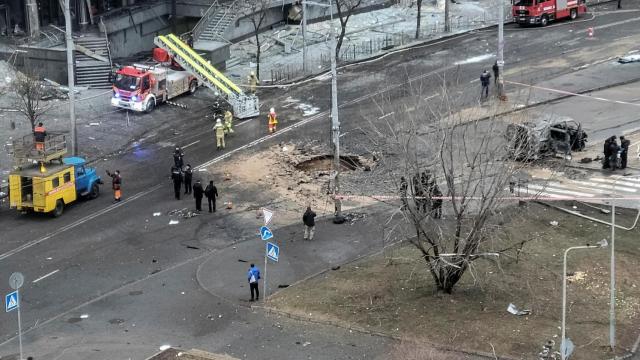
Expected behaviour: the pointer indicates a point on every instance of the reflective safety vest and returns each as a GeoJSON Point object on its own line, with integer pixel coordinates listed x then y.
{"type": "Point", "coordinates": [39, 132]}
{"type": "Point", "coordinates": [273, 119]}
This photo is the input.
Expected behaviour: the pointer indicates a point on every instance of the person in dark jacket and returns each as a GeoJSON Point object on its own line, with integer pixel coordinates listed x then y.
{"type": "Point", "coordinates": [198, 192]}
{"type": "Point", "coordinates": [176, 176]}
{"type": "Point", "coordinates": [613, 153]}
{"type": "Point", "coordinates": [188, 174]}
{"type": "Point", "coordinates": [178, 158]}
{"type": "Point", "coordinates": [605, 152]}
{"type": "Point", "coordinates": [211, 192]}
{"type": "Point", "coordinates": [253, 275]}
{"type": "Point", "coordinates": [309, 220]}
{"type": "Point", "coordinates": [485, 78]}
{"type": "Point", "coordinates": [436, 207]}
{"type": "Point", "coordinates": [624, 146]}
{"type": "Point", "coordinates": [404, 186]}
{"type": "Point", "coordinates": [496, 72]}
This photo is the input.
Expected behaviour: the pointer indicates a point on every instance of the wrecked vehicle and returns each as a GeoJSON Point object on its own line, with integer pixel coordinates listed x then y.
{"type": "Point", "coordinates": [532, 141]}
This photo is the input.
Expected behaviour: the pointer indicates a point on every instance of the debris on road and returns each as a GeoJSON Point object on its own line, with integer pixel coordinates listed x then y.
{"type": "Point", "coordinates": [553, 223]}
{"type": "Point", "coordinates": [629, 59]}
{"type": "Point", "coordinates": [514, 310]}
{"type": "Point", "coordinates": [157, 214]}
{"type": "Point", "coordinates": [174, 222]}
{"type": "Point", "coordinates": [184, 213]}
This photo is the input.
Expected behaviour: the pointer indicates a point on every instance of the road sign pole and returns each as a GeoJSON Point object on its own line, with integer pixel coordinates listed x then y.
{"type": "Point", "coordinates": [19, 326]}
{"type": "Point", "coordinates": [264, 283]}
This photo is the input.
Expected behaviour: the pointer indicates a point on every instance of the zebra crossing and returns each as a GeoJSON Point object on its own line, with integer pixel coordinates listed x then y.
{"type": "Point", "coordinates": [595, 188]}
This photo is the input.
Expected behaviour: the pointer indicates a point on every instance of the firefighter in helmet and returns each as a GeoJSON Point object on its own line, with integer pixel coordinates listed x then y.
{"type": "Point", "coordinates": [253, 82]}
{"type": "Point", "coordinates": [219, 129]}
{"type": "Point", "coordinates": [228, 122]}
{"type": "Point", "coordinates": [273, 120]}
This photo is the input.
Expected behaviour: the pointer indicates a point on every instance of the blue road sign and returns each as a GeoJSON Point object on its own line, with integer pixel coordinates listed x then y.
{"type": "Point", "coordinates": [11, 301]}
{"type": "Point", "coordinates": [265, 233]}
{"type": "Point", "coordinates": [273, 251]}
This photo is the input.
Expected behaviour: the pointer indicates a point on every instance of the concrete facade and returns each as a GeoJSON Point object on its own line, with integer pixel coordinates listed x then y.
{"type": "Point", "coordinates": [43, 62]}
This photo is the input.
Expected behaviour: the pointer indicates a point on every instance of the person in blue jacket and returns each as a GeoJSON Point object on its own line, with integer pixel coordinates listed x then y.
{"type": "Point", "coordinates": [253, 275]}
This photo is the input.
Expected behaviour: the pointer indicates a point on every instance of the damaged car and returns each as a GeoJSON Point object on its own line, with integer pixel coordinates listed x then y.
{"type": "Point", "coordinates": [533, 141]}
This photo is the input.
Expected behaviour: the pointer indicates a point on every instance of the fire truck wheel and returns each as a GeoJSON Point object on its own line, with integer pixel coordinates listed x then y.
{"type": "Point", "coordinates": [573, 14]}
{"type": "Point", "coordinates": [57, 211]}
{"type": "Point", "coordinates": [544, 21]}
{"type": "Point", "coordinates": [193, 86]}
{"type": "Point", "coordinates": [150, 105]}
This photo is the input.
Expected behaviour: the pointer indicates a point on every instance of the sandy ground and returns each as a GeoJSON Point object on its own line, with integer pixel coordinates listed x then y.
{"type": "Point", "coordinates": [393, 293]}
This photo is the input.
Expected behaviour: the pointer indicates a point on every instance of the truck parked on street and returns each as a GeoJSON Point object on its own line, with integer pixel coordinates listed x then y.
{"type": "Point", "coordinates": [541, 12]}
{"type": "Point", "coordinates": [45, 181]}
{"type": "Point", "coordinates": [141, 87]}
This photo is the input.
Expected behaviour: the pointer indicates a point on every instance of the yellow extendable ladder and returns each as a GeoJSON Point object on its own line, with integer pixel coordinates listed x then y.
{"type": "Point", "coordinates": [244, 105]}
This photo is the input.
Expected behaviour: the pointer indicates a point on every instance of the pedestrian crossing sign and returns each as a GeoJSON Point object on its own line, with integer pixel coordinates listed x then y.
{"type": "Point", "coordinates": [273, 251]}
{"type": "Point", "coordinates": [11, 301]}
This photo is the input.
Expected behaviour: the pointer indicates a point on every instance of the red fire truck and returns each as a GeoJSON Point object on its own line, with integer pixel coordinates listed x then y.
{"type": "Point", "coordinates": [533, 12]}
{"type": "Point", "coordinates": [142, 87]}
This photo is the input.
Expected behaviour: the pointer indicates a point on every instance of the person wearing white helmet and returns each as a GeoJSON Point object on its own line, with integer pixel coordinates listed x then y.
{"type": "Point", "coordinates": [273, 120]}
{"type": "Point", "coordinates": [219, 129]}
{"type": "Point", "coordinates": [253, 82]}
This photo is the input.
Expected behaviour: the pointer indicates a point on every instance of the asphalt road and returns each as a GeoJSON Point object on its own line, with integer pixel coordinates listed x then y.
{"type": "Point", "coordinates": [100, 255]}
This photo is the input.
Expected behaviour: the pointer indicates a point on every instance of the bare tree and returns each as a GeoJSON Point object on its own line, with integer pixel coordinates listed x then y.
{"type": "Point", "coordinates": [447, 159]}
{"type": "Point", "coordinates": [345, 9]}
{"type": "Point", "coordinates": [256, 11]}
{"type": "Point", "coordinates": [29, 93]}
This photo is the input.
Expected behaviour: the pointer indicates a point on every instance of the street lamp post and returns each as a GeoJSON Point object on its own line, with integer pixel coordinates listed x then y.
{"type": "Point", "coordinates": [601, 244]}
{"type": "Point", "coordinates": [500, 60]}
{"type": "Point", "coordinates": [304, 37]}
{"type": "Point", "coordinates": [70, 77]}
{"type": "Point", "coordinates": [612, 287]}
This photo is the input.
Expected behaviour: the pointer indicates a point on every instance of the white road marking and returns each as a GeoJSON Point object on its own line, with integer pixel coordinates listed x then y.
{"type": "Point", "coordinates": [547, 189]}
{"type": "Point", "coordinates": [385, 115]}
{"type": "Point", "coordinates": [590, 184]}
{"type": "Point", "coordinates": [618, 183]}
{"type": "Point", "coordinates": [193, 143]}
{"type": "Point", "coordinates": [45, 276]}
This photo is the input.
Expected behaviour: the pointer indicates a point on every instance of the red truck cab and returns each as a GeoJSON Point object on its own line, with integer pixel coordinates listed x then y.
{"type": "Point", "coordinates": [541, 12]}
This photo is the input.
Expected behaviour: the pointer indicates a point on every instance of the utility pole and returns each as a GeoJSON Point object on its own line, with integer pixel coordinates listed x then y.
{"type": "Point", "coordinates": [70, 77]}
{"type": "Point", "coordinates": [335, 125]}
{"type": "Point", "coordinates": [500, 61]}
{"type": "Point", "coordinates": [304, 37]}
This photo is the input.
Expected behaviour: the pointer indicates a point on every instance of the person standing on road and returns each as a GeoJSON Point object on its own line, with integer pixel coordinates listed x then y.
{"type": "Point", "coordinates": [485, 78]}
{"type": "Point", "coordinates": [309, 220]}
{"type": "Point", "coordinates": [178, 158]}
{"type": "Point", "coordinates": [197, 194]}
{"type": "Point", "coordinates": [436, 204]}
{"type": "Point", "coordinates": [253, 82]}
{"type": "Point", "coordinates": [188, 174]}
{"type": "Point", "coordinates": [613, 153]}
{"type": "Point", "coordinates": [211, 192]}
{"type": "Point", "coordinates": [219, 129]}
{"type": "Point", "coordinates": [605, 153]}
{"type": "Point", "coordinates": [273, 120]}
{"type": "Point", "coordinates": [496, 72]}
{"type": "Point", "coordinates": [228, 122]}
{"type": "Point", "coordinates": [624, 146]}
{"type": "Point", "coordinates": [116, 181]}
{"type": "Point", "coordinates": [176, 176]}
{"type": "Point", "coordinates": [253, 275]}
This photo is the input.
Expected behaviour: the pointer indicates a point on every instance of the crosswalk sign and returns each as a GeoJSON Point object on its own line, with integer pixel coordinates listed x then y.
{"type": "Point", "coordinates": [273, 251]}
{"type": "Point", "coordinates": [11, 301]}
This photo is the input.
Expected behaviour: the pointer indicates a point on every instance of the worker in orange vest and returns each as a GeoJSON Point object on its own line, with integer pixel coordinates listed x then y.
{"type": "Point", "coordinates": [273, 121]}
{"type": "Point", "coordinates": [39, 135]}
{"type": "Point", "coordinates": [116, 181]}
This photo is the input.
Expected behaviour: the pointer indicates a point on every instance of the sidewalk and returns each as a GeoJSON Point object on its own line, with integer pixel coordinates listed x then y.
{"type": "Point", "coordinates": [224, 273]}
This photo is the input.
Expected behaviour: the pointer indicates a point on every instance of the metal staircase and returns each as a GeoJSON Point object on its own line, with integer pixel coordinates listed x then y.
{"type": "Point", "coordinates": [93, 71]}
{"type": "Point", "coordinates": [244, 105]}
{"type": "Point", "coordinates": [216, 20]}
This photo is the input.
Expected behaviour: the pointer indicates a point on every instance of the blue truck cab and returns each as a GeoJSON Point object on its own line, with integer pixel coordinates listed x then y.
{"type": "Point", "coordinates": [86, 180]}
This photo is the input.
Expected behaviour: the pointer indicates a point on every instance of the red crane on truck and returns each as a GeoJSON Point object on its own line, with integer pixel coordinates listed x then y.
{"type": "Point", "coordinates": [540, 12]}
